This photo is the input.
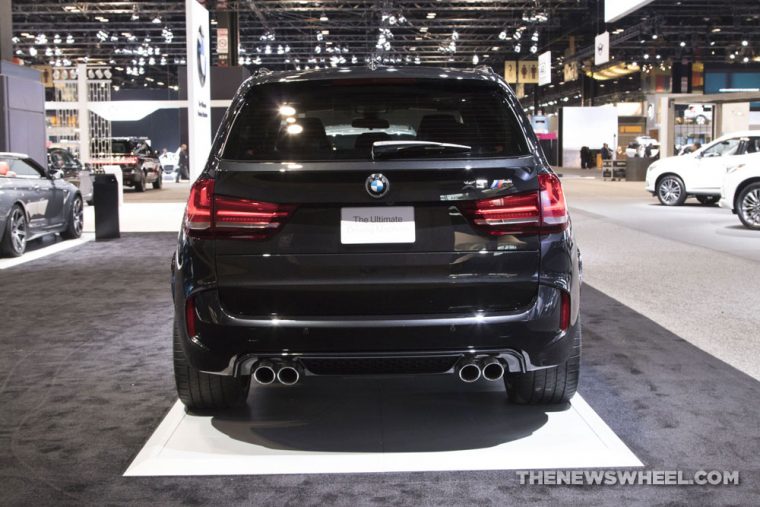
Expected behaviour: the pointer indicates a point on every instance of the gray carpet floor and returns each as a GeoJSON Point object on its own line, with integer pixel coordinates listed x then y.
{"type": "Point", "coordinates": [85, 377]}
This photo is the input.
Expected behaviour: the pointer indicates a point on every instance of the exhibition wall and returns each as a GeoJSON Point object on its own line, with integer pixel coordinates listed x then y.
{"type": "Point", "coordinates": [586, 126]}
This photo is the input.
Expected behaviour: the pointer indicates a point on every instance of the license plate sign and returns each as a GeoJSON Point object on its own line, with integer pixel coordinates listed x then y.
{"type": "Point", "coordinates": [361, 226]}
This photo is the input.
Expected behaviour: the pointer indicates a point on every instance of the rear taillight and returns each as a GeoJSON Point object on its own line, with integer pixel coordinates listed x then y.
{"type": "Point", "coordinates": [553, 207]}
{"type": "Point", "coordinates": [210, 215]}
{"type": "Point", "coordinates": [244, 218]}
{"type": "Point", "coordinates": [198, 211]}
{"type": "Point", "coordinates": [190, 317]}
{"type": "Point", "coordinates": [564, 311]}
{"type": "Point", "coordinates": [539, 212]}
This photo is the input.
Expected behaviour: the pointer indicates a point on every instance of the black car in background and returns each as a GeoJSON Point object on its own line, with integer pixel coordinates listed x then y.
{"type": "Point", "coordinates": [138, 162]}
{"type": "Point", "coordinates": [35, 202]}
{"type": "Point", "coordinates": [73, 171]}
{"type": "Point", "coordinates": [376, 221]}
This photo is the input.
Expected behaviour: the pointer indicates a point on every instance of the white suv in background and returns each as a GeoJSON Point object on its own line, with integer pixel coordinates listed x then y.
{"type": "Point", "coordinates": [741, 186]}
{"type": "Point", "coordinates": [700, 174]}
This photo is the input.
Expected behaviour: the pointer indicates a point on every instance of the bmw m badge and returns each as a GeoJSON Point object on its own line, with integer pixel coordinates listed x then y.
{"type": "Point", "coordinates": [377, 185]}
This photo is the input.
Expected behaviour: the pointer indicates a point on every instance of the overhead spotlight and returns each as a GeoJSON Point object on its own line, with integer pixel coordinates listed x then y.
{"type": "Point", "coordinates": [503, 35]}
{"type": "Point", "coordinates": [156, 20]}
{"type": "Point", "coordinates": [745, 43]}
{"type": "Point", "coordinates": [534, 37]}
{"type": "Point", "coordinates": [682, 44]}
{"type": "Point", "coordinates": [654, 36]}
{"type": "Point", "coordinates": [475, 59]}
{"type": "Point", "coordinates": [454, 35]}
{"type": "Point", "coordinates": [518, 48]}
{"type": "Point", "coordinates": [533, 48]}
{"type": "Point", "coordinates": [324, 17]}
{"type": "Point", "coordinates": [646, 56]}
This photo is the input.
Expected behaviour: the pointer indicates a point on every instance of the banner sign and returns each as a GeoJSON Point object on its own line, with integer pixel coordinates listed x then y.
{"type": "Point", "coordinates": [616, 9]}
{"type": "Point", "coordinates": [545, 68]}
{"type": "Point", "coordinates": [602, 48]}
{"type": "Point", "coordinates": [198, 86]}
{"type": "Point", "coordinates": [222, 41]}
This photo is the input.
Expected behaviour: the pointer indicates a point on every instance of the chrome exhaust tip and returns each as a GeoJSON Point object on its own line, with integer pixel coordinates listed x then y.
{"type": "Point", "coordinates": [263, 372]}
{"type": "Point", "coordinates": [289, 374]}
{"type": "Point", "coordinates": [491, 368]}
{"type": "Point", "coordinates": [468, 370]}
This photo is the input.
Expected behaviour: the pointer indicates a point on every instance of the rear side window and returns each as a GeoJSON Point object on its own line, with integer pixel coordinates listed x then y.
{"type": "Point", "coordinates": [339, 120]}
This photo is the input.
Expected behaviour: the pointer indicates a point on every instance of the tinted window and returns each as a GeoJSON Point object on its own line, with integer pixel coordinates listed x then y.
{"type": "Point", "coordinates": [328, 120]}
{"type": "Point", "coordinates": [122, 147]}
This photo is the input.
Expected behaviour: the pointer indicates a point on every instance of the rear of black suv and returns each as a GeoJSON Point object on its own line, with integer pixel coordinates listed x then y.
{"type": "Point", "coordinates": [386, 221]}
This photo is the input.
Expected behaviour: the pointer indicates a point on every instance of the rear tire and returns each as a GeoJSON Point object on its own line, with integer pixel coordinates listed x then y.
{"type": "Point", "coordinates": [204, 391]}
{"type": "Point", "coordinates": [159, 182]}
{"type": "Point", "coordinates": [76, 220]}
{"type": "Point", "coordinates": [550, 386]}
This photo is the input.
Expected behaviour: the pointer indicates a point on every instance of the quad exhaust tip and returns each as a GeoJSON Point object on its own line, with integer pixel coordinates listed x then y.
{"type": "Point", "coordinates": [491, 368]}
{"type": "Point", "coordinates": [468, 370]}
{"type": "Point", "coordinates": [264, 372]}
{"type": "Point", "coordinates": [289, 374]}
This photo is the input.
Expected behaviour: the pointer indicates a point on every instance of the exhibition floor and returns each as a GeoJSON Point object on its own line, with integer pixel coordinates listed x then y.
{"type": "Point", "coordinates": [87, 379]}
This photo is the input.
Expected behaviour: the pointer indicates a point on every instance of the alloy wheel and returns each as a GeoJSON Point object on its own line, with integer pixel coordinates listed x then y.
{"type": "Point", "coordinates": [670, 190]}
{"type": "Point", "coordinates": [18, 230]}
{"type": "Point", "coordinates": [750, 207]}
{"type": "Point", "coordinates": [77, 215]}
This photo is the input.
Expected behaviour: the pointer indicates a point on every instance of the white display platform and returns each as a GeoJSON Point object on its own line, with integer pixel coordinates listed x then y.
{"type": "Point", "coordinates": [354, 425]}
{"type": "Point", "coordinates": [42, 248]}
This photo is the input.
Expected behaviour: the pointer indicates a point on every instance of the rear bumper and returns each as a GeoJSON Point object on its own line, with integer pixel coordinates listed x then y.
{"type": "Point", "coordinates": [526, 339]}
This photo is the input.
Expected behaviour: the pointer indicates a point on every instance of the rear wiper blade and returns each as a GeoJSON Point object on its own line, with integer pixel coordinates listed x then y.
{"type": "Point", "coordinates": [390, 149]}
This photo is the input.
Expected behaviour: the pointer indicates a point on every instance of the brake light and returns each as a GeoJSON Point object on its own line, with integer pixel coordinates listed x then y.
{"type": "Point", "coordinates": [244, 218]}
{"type": "Point", "coordinates": [564, 311]}
{"type": "Point", "coordinates": [539, 212]}
{"type": "Point", "coordinates": [208, 215]}
{"type": "Point", "coordinates": [190, 317]}
{"type": "Point", "coordinates": [198, 211]}
{"type": "Point", "coordinates": [553, 207]}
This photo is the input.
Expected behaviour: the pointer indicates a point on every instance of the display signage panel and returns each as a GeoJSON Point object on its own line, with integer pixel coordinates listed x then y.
{"type": "Point", "coordinates": [616, 9]}
{"type": "Point", "coordinates": [545, 68]}
{"type": "Point", "coordinates": [602, 48]}
{"type": "Point", "coordinates": [198, 86]}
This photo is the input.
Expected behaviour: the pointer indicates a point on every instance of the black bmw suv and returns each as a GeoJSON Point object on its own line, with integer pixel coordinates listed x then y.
{"type": "Point", "coordinates": [376, 221]}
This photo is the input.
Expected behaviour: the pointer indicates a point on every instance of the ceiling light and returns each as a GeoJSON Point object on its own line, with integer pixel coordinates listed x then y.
{"type": "Point", "coordinates": [745, 43]}
{"type": "Point", "coordinates": [32, 51]}
{"type": "Point", "coordinates": [533, 49]}
{"type": "Point", "coordinates": [324, 17]}
{"type": "Point", "coordinates": [475, 59]}
{"type": "Point", "coordinates": [654, 36]}
{"type": "Point", "coordinates": [683, 44]}
{"type": "Point", "coordinates": [503, 35]}
{"type": "Point", "coordinates": [431, 15]}
{"type": "Point", "coordinates": [716, 30]}
{"type": "Point", "coordinates": [518, 48]}
{"type": "Point", "coordinates": [156, 20]}
{"type": "Point", "coordinates": [495, 48]}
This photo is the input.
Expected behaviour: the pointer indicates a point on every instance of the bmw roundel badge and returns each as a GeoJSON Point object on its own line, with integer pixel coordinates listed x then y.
{"type": "Point", "coordinates": [377, 185]}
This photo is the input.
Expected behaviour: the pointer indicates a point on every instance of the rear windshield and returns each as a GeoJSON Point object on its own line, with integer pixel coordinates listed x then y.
{"type": "Point", "coordinates": [121, 147]}
{"type": "Point", "coordinates": [339, 120]}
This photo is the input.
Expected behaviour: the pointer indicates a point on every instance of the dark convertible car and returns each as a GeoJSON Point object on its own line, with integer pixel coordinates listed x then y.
{"type": "Point", "coordinates": [35, 202]}
{"type": "Point", "coordinates": [376, 221]}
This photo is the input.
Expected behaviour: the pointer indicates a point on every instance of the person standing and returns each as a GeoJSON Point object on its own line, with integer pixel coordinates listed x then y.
{"type": "Point", "coordinates": [183, 165]}
{"type": "Point", "coordinates": [606, 152]}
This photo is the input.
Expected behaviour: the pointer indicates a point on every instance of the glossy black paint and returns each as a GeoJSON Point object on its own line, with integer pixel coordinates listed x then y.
{"type": "Point", "coordinates": [72, 171]}
{"type": "Point", "coordinates": [302, 293]}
